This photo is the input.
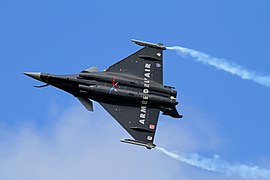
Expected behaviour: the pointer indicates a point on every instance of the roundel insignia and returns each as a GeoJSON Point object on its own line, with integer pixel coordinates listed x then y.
{"type": "Point", "coordinates": [152, 126]}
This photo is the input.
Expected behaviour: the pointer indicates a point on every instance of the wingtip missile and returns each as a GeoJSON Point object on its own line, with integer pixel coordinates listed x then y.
{"type": "Point", "coordinates": [139, 143]}
{"type": "Point", "coordinates": [143, 43]}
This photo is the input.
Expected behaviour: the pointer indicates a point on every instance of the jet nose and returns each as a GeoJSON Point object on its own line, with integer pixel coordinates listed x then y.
{"type": "Point", "coordinates": [35, 75]}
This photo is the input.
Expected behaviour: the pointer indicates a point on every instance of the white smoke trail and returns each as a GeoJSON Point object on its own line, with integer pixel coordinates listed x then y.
{"type": "Point", "coordinates": [216, 164]}
{"type": "Point", "coordinates": [223, 64]}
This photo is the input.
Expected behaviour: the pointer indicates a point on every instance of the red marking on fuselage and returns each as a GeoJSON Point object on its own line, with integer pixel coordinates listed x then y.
{"type": "Point", "coordinates": [113, 82]}
{"type": "Point", "coordinates": [113, 86]}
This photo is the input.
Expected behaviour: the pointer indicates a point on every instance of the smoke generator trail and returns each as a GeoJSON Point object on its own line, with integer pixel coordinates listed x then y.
{"type": "Point", "coordinates": [216, 164]}
{"type": "Point", "coordinates": [222, 64]}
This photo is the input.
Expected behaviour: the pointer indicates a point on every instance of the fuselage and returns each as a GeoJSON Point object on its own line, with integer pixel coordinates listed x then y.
{"type": "Point", "coordinates": [113, 88]}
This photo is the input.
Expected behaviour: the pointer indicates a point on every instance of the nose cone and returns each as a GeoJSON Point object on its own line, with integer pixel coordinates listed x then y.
{"type": "Point", "coordinates": [35, 75]}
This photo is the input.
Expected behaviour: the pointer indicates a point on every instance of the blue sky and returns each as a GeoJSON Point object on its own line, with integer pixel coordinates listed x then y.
{"type": "Point", "coordinates": [223, 114]}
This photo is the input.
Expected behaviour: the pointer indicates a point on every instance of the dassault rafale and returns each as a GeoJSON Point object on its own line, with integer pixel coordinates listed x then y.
{"type": "Point", "coordinates": [131, 90]}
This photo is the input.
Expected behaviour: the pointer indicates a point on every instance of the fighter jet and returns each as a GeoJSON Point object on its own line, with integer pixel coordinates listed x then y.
{"type": "Point", "coordinates": [131, 90]}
